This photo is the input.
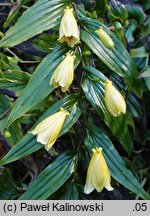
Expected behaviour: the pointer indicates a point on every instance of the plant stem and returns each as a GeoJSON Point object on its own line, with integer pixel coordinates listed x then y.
{"type": "Point", "coordinates": [29, 62]}
{"type": "Point", "coordinates": [5, 4]}
{"type": "Point", "coordinates": [11, 52]}
{"type": "Point", "coordinates": [73, 144]}
{"type": "Point", "coordinates": [82, 137]}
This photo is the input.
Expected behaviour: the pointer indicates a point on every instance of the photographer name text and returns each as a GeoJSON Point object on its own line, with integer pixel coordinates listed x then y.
{"type": "Point", "coordinates": [53, 207]}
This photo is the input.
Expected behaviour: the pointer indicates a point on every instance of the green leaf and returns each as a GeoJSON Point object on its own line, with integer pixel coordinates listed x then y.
{"type": "Point", "coordinates": [14, 80]}
{"type": "Point", "coordinates": [134, 106]}
{"type": "Point", "coordinates": [130, 31]}
{"type": "Point", "coordinates": [136, 12]}
{"type": "Point", "coordinates": [38, 86]}
{"type": "Point", "coordinates": [139, 52]}
{"type": "Point", "coordinates": [147, 81]}
{"type": "Point", "coordinates": [101, 7]}
{"type": "Point", "coordinates": [52, 178]}
{"type": "Point", "coordinates": [45, 42]}
{"type": "Point", "coordinates": [118, 12]}
{"type": "Point", "coordinates": [145, 30]}
{"type": "Point", "coordinates": [97, 138]}
{"type": "Point", "coordinates": [146, 73]}
{"type": "Point", "coordinates": [3, 123]}
{"type": "Point", "coordinates": [4, 105]}
{"type": "Point", "coordinates": [28, 144]}
{"type": "Point", "coordinates": [15, 133]}
{"type": "Point", "coordinates": [87, 4]}
{"type": "Point", "coordinates": [93, 87]}
{"type": "Point", "coordinates": [117, 59]}
{"type": "Point", "coordinates": [7, 62]}
{"type": "Point", "coordinates": [43, 15]}
{"type": "Point", "coordinates": [9, 190]}
{"type": "Point", "coordinates": [72, 193]}
{"type": "Point", "coordinates": [14, 11]}
{"type": "Point", "coordinates": [71, 119]}
{"type": "Point", "coordinates": [122, 10]}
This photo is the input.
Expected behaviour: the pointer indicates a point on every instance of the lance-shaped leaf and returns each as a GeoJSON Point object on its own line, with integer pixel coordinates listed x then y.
{"type": "Point", "coordinates": [14, 80]}
{"type": "Point", "coordinates": [97, 138]}
{"type": "Point", "coordinates": [121, 10]}
{"type": "Point", "coordinates": [43, 15]}
{"type": "Point", "coordinates": [14, 12]}
{"type": "Point", "coordinates": [71, 192]}
{"type": "Point", "coordinates": [38, 86]}
{"type": "Point", "coordinates": [52, 178]}
{"type": "Point", "coordinates": [93, 87]}
{"type": "Point", "coordinates": [117, 11]}
{"type": "Point", "coordinates": [8, 63]}
{"type": "Point", "coordinates": [117, 59]}
{"type": "Point", "coordinates": [28, 144]}
{"type": "Point", "coordinates": [136, 12]}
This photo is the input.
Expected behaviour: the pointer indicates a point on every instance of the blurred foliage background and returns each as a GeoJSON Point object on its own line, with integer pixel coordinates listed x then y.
{"type": "Point", "coordinates": [29, 53]}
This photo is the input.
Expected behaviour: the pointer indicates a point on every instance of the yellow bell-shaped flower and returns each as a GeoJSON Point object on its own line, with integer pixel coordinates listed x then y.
{"type": "Point", "coordinates": [114, 101]}
{"type": "Point", "coordinates": [68, 31]}
{"type": "Point", "coordinates": [64, 73]}
{"type": "Point", "coordinates": [98, 175]}
{"type": "Point", "coordinates": [105, 38]}
{"type": "Point", "coordinates": [48, 130]}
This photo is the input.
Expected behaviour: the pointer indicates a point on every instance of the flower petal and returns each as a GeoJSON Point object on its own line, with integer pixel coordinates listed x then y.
{"type": "Point", "coordinates": [48, 130]}
{"type": "Point", "coordinates": [64, 73]}
{"type": "Point", "coordinates": [46, 122]}
{"type": "Point", "coordinates": [114, 101]}
{"type": "Point", "coordinates": [89, 187]}
{"type": "Point", "coordinates": [107, 182]}
{"type": "Point", "coordinates": [99, 172]}
{"type": "Point", "coordinates": [69, 31]}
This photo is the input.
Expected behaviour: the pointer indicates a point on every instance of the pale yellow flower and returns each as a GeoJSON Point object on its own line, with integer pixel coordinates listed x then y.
{"type": "Point", "coordinates": [98, 175]}
{"type": "Point", "coordinates": [48, 130]}
{"type": "Point", "coordinates": [64, 73]}
{"type": "Point", "coordinates": [68, 31]}
{"type": "Point", "coordinates": [114, 101]}
{"type": "Point", "coordinates": [105, 38]}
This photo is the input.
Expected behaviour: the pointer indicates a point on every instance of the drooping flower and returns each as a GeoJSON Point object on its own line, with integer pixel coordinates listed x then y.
{"type": "Point", "coordinates": [98, 175]}
{"type": "Point", "coordinates": [69, 31]}
{"type": "Point", "coordinates": [64, 73]}
{"type": "Point", "coordinates": [114, 101]}
{"type": "Point", "coordinates": [48, 130]}
{"type": "Point", "coordinates": [105, 38]}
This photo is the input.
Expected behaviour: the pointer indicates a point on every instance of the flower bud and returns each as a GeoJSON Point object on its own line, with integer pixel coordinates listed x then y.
{"type": "Point", "coordinates": [105, 38]}
{"type": "Point", "coordinates": [7, 134]}
{"type": "Point", "coordinates": [114, 101]}
{"type": "Point", "coordinates": [64, 73]}
{"type": "Point", "coordinates": [98, 175]}
{"type": "Point", "coordinates": [48, 130]}
{"type": "Point", "coordinates": [68, 31]}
